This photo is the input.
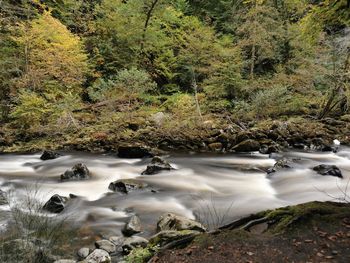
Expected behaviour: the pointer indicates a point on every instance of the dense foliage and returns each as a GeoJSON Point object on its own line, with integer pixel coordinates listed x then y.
{"type": "Point", "coordinates": [66, 63]}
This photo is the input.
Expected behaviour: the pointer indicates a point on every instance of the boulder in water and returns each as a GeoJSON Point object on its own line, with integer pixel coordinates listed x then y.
{"type": "Point", "coordinates": [49, 155]}
{"type": "Point", "coordinates": [3, 198]}
{"type": "Point", "coordinates": [332, 170]}
{"type": "Point", "coordinates": [157, 165]}
{"type": "Point", "coordinates": [133, 152]}
{"type": "Point", "coordinates": [56, 204]}
{"type": "Point", "coordinates": [280, 164]}
{"type": "Point", "coordinates": [126, 185]}
{"type": "Point", "coordinates": [78, 172]}
{"type": "Point", "coordinates": [171, 221]}
{"type": "Point", "coordinates": [133, 226]}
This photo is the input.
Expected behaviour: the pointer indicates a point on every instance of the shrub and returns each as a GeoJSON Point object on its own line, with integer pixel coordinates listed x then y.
{"type": "Point", "coordinates": [32, 236]}
{"type": "Point", "coordinates": [54, 109]}
{"type": "Point", "coordinates": [180, 103]}
{"type": "Point", "coordinates": [126, 87]}
{"type": "Point", "coordinates": [31, 110]}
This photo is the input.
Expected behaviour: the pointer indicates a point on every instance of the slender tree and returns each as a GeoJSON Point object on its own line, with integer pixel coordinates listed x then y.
{"type": "Point", "coordinates": [260, 33]}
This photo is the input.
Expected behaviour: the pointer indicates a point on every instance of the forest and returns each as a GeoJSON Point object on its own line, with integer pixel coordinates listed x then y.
{"type": "Point", "coordinates": [78, 71]}
{"type": "Point", "coordinates": [136, 131]}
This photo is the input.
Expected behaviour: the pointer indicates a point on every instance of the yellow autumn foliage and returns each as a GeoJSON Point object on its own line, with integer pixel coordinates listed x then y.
{"type": "Point", "coordinates": [53, 54]}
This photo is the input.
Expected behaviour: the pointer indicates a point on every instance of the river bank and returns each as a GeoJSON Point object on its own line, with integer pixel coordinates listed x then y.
{"type": "Point", "coordinates": [311, 232]}
{"type": "Point", "coordinates": [220, 135]}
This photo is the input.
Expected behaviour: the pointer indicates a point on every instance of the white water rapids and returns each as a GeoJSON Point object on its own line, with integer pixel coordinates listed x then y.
{"type": "Point", "coordinates": [229, 186]}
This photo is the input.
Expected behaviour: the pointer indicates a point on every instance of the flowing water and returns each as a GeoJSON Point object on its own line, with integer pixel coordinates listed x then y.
{"type": "Point", "coordinates": [216, 189]}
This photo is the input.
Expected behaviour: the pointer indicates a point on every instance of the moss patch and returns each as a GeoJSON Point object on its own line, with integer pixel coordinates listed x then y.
{"type": "Point", "coordinates": [291, 217]}
{"type": "Point", "coordinates": [141, 255]}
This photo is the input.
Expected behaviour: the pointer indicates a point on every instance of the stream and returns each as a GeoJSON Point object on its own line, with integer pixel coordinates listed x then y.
{"type": "Point", "coordinates": [213, 188]}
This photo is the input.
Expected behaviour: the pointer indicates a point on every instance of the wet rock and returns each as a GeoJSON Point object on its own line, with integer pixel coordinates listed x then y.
{"type": "Point", "coordinates": [332, 170]}
{"type": "Point", "coordinates": [328, 148]}
{"type": "Point", "coordinates": [73, 196]}
{"type": "Point", "coordinates": [268, 149]}
{"type": "Point", "coordinates": [297, 141]}
{"type": "Point", "coordinates": [83, 252]}
{"type": "Point", "coordinates": [318, 144]}
{"type": "Point", "coordinates": [247, 146]}
{"type": "Point", "coordinates": [106, 245]}
{"type": "Point", "coordinates": [133, 152]}
{"type": "Point", "coordinates": [3, 198]}
{"type": "Point", "coordinates": [98, 256]}
{"type": "Point", "coordinates": [126, 185]}
{"type": "Point", "coordinates": [171, 221]}
{"type": "Point", "coordinates": [300, 146]}
{"type": "Point", "coordinates": [279, 165]}
{"type": "Point", "coordinates": [132, 227]}
{"type": "Point", "coordinates": [243, 136]}
{"type": "Point", "coordinates": [132, 243]}
{"type": "Point", "coordinates": [264, 149]}
{"type": "Point", "coordinates": [164, 237]}
{"type": "Point", "coordinates": [55, 204]}
{"type": "Point", "coordinates": [118, 241]}
{"type": "Point", "coordinates": [157, 165]}
{"type": "Point", "coordinates": [49, 155]}
{"type": "Point", "coordinates": [216, 146]}
{"type": "Point", "coordinates": [78, 172]}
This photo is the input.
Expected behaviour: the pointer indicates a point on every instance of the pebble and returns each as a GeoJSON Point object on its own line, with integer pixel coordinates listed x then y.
{"type": "Point", "coordinates": [106, 245]}
{"type": "Point", "coordinates": [83, 252]}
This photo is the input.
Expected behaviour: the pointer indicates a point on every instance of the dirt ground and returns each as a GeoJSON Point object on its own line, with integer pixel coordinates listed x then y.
{"type": "Point", "coordinates": [319, 238]}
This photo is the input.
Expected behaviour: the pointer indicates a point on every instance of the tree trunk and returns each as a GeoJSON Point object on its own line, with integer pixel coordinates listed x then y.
{"type": "Point", "coordinates": [195, 89]}
{"type": "Point", "coordinates": [148, 18]}
{"type": "Point", "coordinates": [252, 62]}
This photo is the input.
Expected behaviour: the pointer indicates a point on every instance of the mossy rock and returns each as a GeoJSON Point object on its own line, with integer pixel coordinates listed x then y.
{"type": "Point", "coordinates": [141, 255]}
{"type": "Point", "coordinates": [247, 146]}
{"type": "Point", "coordinates": [291, 217]}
